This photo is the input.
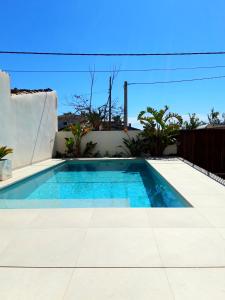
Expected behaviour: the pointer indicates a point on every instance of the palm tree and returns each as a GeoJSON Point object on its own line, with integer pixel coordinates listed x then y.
{"type": "Point", "coordinates": [213, 117]}
{"type": "Point", "coordinates": [95, 118]}
{"type": "Point", "coordinates": [193, 122]}
{"type": "Point", "coordinates": [160, 128]}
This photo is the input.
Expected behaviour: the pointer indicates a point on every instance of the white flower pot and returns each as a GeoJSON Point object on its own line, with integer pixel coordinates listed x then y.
{"type": "Point", "coordinates": [5, 169]}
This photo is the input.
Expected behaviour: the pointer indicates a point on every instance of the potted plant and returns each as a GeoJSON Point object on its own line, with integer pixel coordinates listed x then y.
{"type": "Point", "coordinates": [5, 164]}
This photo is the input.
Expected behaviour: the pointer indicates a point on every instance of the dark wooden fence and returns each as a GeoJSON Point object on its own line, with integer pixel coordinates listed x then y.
{"type": "Point", "coordinates": [205, 148]}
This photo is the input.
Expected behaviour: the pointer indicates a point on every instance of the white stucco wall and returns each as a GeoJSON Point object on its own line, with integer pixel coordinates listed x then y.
{"type": "Point", "coordinates": [107, 141]}
{"type": "Point", "coordinates": [28, 123]}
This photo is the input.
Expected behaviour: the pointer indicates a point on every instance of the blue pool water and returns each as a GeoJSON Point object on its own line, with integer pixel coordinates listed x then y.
{"type": "Point", "coordinates": [99, 183]}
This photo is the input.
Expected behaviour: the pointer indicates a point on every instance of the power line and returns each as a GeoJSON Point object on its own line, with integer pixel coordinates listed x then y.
{"type": "Point", "coordinates": [112, 54]}
{"type": "Point", "coordinates": [177, 81]}
{"type": "Point", "coordinates": [117, 70]}
{"type": "Point", "coordinates": [61, 71]}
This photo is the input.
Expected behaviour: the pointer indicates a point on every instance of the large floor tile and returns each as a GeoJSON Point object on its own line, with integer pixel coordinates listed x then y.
{"type": "Point", "coordinates": [119, 248]}
{"type": "Point", "coordinates": [176, 217]}
{"type": "Point", "coordinates": [207, 200]}
{"type": "Point", "coordinates": [119, 217]}
{"type": "Point", "coordinates": [6, 237]}
{"type": "Point", "coordinates": [202, 192]}
{"type": "Point", "coordinates": [221, 231]}
{"type": "Point", "coordinates": [118, 284]}
{"type": "Point", "coordinates": [43, 248]}
{"type": "Point", "coordinates": [197, 284]}
{"type": "Point", "coordinates": [215, 215]}
{"type": "Point", "coordinates": [33, 284]}
{"type": "Point", "coordinates": [190, 247]}
{"type": "Point", "coordinates": [14, 219]}
{"type": "Point", "coordinates": [62, 218]}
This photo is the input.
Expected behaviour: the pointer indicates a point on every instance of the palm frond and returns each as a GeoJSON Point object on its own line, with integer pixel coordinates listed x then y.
{"type": "Point", "coordinates": [5, 151]}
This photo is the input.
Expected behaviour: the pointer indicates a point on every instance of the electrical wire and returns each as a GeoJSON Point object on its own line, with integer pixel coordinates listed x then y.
{"type": "Point", "coordinates": [177, 81]}
{"type": "Point", "coordinates": [112, 54]}
{"type": "Point", "coordinates": [117, 70]}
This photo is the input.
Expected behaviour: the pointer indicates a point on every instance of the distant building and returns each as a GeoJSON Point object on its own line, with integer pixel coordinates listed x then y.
{"type": "Point", "coordinates": [211, 126]}
{"type": "Point", "coordinates": [117, 126]}
{"type": "Point", "coordinates": [68, 119]}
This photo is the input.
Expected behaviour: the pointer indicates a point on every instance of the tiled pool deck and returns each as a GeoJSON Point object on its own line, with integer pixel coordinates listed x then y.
{"type": "Point", "coordinates": [118, 253]}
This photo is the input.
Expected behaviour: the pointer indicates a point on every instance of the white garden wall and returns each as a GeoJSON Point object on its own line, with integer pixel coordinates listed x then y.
{"type": "Point", "coordinates": [28, 123]}
{"type": "Point", "coordinates": [107, 141]}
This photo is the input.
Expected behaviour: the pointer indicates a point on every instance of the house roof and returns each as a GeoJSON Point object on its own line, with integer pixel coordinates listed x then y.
{"type": "Point", "coordinates": [70, 116]}
{"type": "Point", "coordinates": [211, 126]}
{"type": "Point", "coordinates": [16, 91]}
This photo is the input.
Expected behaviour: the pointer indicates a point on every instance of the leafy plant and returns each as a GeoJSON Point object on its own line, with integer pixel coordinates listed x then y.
{"type": "Point", "coordinates": [88, 151]}
{"type": "Point", "coordinates": [160, 129]}
{"type": "Point", "coordinates": [5, 151]}
{"type": "Point", "coordinates": [106, 154]}
{"type": "Point", "coordinates": [193, 122]}
{"type": "Point", "coordinates": [78, 131]}
{"type": "Point", "coordinates": [69, 145]}
{"type": "Point", "coordinates": [117, 120]}
{"type": "Point", "coordinates": [59, 155]}
{"type": "Point", "coordinates": [95, 118]}
{"type": "Point", "coordinates": [214, 117]}
{"type": "Point", "coordinates": [134, 145]}
{"type": "Point", "coordinates": [118, 154]}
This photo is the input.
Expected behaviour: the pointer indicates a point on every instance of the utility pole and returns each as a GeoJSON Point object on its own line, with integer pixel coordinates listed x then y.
{"type": "Point", "coordinates": [125, 104]}
{"type": "Point", "coordinates": [110, 102]}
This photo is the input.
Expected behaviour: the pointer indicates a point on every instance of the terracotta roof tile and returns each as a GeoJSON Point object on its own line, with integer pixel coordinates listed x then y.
{"type": "Point", "coordinates": [16, 91]}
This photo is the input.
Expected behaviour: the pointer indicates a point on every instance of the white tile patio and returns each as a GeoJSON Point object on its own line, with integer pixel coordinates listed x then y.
{"type": "Point", "coordinates": [190, 247]}
{"type": "Point", "coordinates": [122, 247]}
{"type": "Point", "coordinates": [33, 284]}
{"type": "Point", "coordinates": [119, 284]}
{"type": "Point", "coordinates": [118, 253]}
{"type": "Point", "coordinates": [117, 217]}
{"type": "Point", "coordinates": [199, 284]}
{"type": "Point", "coordinates": [215, 215]}
{"type": "Point", "coordinates": [43, 248]}
{"type": "Point", "coordinates": [177, 217]}
{"type": "Point", "coordinates": [15, 219]}
{"type": "Point", "coordinates": [62, 218]}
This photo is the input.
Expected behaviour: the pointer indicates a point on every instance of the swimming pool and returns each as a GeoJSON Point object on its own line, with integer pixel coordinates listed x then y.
{"type": "Point", "coordinates": [95, 183]}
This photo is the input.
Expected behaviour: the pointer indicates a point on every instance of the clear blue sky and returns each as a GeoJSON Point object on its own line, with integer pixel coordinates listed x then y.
{"type": "Point", "coordinates": [118, 26]}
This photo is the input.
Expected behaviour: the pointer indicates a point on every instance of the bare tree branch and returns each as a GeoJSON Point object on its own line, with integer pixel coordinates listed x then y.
{"type": "Point", "coordinates": [113, 75]}
{"type": "Point", "coordinates": [97, 116]}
